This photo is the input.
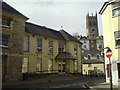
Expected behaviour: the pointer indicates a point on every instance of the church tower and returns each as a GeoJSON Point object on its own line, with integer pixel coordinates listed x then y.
{"type": "Point", "coordinates": [92, 25]}
{"type": "Point", "coordinates": [92, 31]}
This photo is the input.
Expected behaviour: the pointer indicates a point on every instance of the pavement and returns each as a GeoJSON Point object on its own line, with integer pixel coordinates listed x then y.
{"type": "Point", "coordinates": [99, 84]}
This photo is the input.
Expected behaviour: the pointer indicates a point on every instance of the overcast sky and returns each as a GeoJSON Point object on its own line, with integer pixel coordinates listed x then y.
{"type": "Point", "coordinates": [71, 14]}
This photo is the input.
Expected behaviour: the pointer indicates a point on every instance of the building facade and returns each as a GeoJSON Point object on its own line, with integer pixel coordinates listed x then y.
{"type": "Point", "coordinates": [47, 51]}
{"type": "Point", "coordinates": [33, 49]}
{"type": "Point", "coordinates": [93, 64]}
{"type": "Point", "coordinates": [11, 42]}
{"type": "Point", "coordinates": [110, 12]}
{"type": "Point", "coordinates": [92, 43]}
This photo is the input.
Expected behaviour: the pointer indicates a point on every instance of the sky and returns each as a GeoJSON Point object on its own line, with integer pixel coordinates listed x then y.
{"type": "Point", "coordinates": [70, 14]}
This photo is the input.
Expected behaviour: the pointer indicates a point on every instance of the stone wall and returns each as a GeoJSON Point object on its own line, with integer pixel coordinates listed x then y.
{"type": "Point", "coordinates": [15, 51]}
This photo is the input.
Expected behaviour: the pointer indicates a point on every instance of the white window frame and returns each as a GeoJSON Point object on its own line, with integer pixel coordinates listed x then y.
{"type": "Point", "coordinates": [39, 65]}
{"type": "Point", "coordinates": [25, 65]}
{"type": "Point", "coordinates": [26, 43]}
{"type": "Point", "coordinates": [50, 65]}
{"type": "Point", "coordinates": [39, 48]}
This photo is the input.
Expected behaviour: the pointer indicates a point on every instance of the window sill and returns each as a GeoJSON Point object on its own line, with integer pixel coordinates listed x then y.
{"type": "Point", "coordinates": [39, 52]}
{"type": "Point", "coordinates": [26, 51]}
{"type": "Point", "coordinates": [3, 46]}
{"type": "Point", "coordinates": [5, 26]}
{"type": "Point", "coordinates": [50, 53]}
{"type": "Point", "coordinates": [117, 47]}
{"type": "Point", "coordinates": [115, 16]}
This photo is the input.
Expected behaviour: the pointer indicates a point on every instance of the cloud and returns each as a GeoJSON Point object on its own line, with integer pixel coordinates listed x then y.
{"type": "Point", "coordinates": [70, 15]}
{"type": "Point", "coordinates": [56, 0]}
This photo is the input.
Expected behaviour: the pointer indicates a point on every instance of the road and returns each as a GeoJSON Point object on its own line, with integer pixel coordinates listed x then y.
{"type": "Point", "coordinates": [73, 83]}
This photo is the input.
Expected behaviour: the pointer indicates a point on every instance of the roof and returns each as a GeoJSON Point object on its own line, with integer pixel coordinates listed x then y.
{"type": "Point", "coordinates": [93, 53]}
{"type": "Point", "coordinates": [64, 56]}
{"type": "Point", "coordinates": [91, 61]}
{"type": "Point", "coordinates": [106, 4]}
{"type": "Point", "coordinates": [8, 8]}
{"type": "Point", "coordinates": [68, 37]}
{"type": "Point", "coordinates": [47, 32]}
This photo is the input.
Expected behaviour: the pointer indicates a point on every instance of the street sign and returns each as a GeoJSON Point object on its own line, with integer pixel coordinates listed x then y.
{"type": "Point", "coordinates": [108, 53]}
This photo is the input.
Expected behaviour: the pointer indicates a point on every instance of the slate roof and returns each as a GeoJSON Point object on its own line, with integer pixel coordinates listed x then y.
{"type": "Point", "coordinates": [91, 61]}
{"type": "Point", "coordinates": [8, 8]}
{"type": "Point", "coordinates": [64, 56]}
{"type": "Point", "coordinates": [68, 37]}
{"type": "Point", "coordinates": [47, 32]}
{"type": "Point", "coordinates": [93, 53]}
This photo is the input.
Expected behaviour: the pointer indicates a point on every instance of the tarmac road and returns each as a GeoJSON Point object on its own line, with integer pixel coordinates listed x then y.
{"type": "Point", "coordinates": [71, 83]}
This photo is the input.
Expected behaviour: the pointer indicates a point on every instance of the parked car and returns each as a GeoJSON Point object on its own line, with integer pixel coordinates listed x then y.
{"type": "Point", "coordinates": [95, 73]}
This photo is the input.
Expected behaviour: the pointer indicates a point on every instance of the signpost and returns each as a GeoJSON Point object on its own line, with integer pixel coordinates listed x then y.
{"type": "Point", "coordinates": [108, 55]}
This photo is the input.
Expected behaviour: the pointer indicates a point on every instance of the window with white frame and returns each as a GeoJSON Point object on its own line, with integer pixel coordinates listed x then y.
{"type": "Point", "coordinates": [39, 45]}
{"type": "Point", "coordinates": [76, 66]}
{"type": "Point", "coordinates": [39, 64]}
{"type": "Point", "coordinates": [26, 43]}
{"type": "Point", "coordinates": [4, 39]}
{"type": "Point", "coordinates": [61, 47]}
{"type": "Point", "coordinates": [25, 65]}
{"type": "Point", "coordinates": [116, 9]}
{"type": "Point", "coordinates": [117, 39]}
{"type": "Point", "coordinates": [50, 43]}
{"type": "Point", "coordinates": [50, 65]}
{"type": "Point", "coordinates": [6, 22]}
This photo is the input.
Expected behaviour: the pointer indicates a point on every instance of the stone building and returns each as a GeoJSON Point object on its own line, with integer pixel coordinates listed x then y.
{"type": "Point", "coordinates": [110, 12]}
{"type": "Point", "coordinates": [48, 51]}
{"type": "Point", "coordinates": [92, 43]}
{"type": "Point", "coordinates": [11, 37]}
{"type": "Point", "coordinates": [33, 49]}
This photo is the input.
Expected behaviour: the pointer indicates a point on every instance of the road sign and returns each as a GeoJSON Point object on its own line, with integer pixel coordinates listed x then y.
{"type": "Point", "coordinates": [108, 53]}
